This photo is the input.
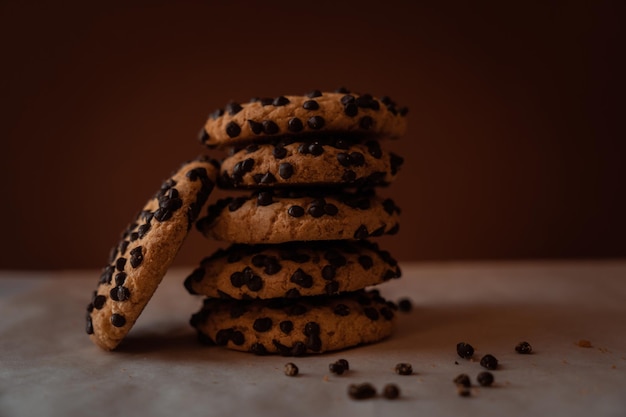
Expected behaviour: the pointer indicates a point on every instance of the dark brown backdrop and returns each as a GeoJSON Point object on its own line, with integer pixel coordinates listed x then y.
{"type": "Point", "coordinates": [514, 147]}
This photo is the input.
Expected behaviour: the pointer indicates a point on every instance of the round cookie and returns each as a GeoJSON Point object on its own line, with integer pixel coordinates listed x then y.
{"type": "Point", "coordinates": [313, 113]}
{"type": "Point", "coordinates": [308, 325]}
{"type": "Point", "coordinates": [292, 270]}
{"type": "Point", "coordinates": [276, 216]}
{"type": "Point", "coordinates": [318, 162]}
{"type": "Point", "coordinates": [147, 247]}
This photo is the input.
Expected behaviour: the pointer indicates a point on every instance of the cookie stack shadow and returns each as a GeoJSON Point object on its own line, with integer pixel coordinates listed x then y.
{"type": "Point", "coordinates": [300, 259]}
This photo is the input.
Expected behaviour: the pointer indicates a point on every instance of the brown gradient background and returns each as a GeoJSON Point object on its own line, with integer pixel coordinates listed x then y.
{"type": "Point", "coordinates": [514, 149]}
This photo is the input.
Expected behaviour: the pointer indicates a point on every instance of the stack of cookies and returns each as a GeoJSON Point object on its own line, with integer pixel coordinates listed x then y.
{"type": "Point", "coordinates": [305, 174]}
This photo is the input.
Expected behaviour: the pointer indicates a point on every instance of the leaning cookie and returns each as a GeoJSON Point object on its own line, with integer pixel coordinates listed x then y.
{"type": "Point", "coordinates": [315, 112]}
{"type": "Point", "coordinates": [276, 216]}
{"type": "Point", "coordinates": [292, 269]}
{"type": "Point", "coordinates": [308, 325]}
{"type": "Point", "coordinates": [148, 246]}
{"type": "Point", "coordinates": [309, 163]}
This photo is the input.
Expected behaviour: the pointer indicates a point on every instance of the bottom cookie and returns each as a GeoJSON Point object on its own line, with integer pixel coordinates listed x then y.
{"type": "Point", "coordinates": [308, 325]}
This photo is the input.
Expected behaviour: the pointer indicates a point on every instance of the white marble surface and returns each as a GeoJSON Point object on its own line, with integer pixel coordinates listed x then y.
{"type": "Point", "coordinates": [49, 367]}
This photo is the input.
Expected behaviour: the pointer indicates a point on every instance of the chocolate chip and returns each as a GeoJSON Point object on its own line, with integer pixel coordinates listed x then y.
{"type": "Point", "coordinates": [395, 162]}
{"type": "Point", "coordinates": [386, 313]}
{"type": "Point", "coordinates": [254, 283]}
{"type": "Point", "coordinates": [267, 178]}
{"type": "Point", "coordinates": [365, 261]}
{"type": "Point", "coordinates": [301, 278]}
{"type": "Point", "coordinates": [361, 391]}
{"type": "Point", "coordinates": [263, 324]}
{"type": "Point", "coordinates": [203, 136]}
{"type": "Point", "coordinates": [269, 127]}
{"type": "Point", "coordinates": [524, 348]}
{"type": "Point", "coordinates": [341, 310]}
{"type": "Point", "coordinates": [120, 278]}
{"type": "Point", "coordinates": [143, 230]}
{"type": "Point", "coordinates": [233, 108]}
{"type": "Point", "coordinates": [347, 99]}
{"type": "Point", "coordinates": [237, 279]}
{"type": "Point", "coordinates": [361, 232]}
{"type": "Point", "coordinates": [331, 288]}
{"type": "Point", "coordinates": [216, 113]}
{"type": "Point", "coordinates": [485, 378]}
{"type": "Point", "coordinates": [279, 152]}
{"type": "Point", "coordinates": [136, 257]}
{"type": "Point", "coordinates": [403, 111]}
{"type": "Point", "coordinates": [258, 349]}
{"type": "Point", "coordinates": [489, 362]}
{"type": "Point", "coordinates": [237, 310]}
{"type": "Point", "coordinates": [350, 109]}
{"type": "Point", "coordinates": [119, 293]}
{"type": "Point", "coordinates": [341, 144]}
{"type": "Point", "coordinates": [255, 127]}
{"type": "Point", "coordinates": [266, 101]}
{"type": "Point", "coordinates": [343, 159]}
{"type": "Point", "coordinates": [118, 320]}
{"type": "Point", "coordinates": [310, 105]}
{"type": "Point", "coordinates": [464, 350]}
{"type": "Point", "coordinates": [394, 229]}
{"type": "Point", "coordinates": [295, 125]}
{"type": "Point", "coordinates": [315, 122]}
{"type": "Point", "coordinates": [223, 336]}
{"type": "Point", "coordinates": [295, 211]}
{"type": "Point", "coordinates": [98, 301]}
{"type": "Point", "coordinates": [238, 338]}
{"type": "Point", "coordinates": [366, 122]}
{"type": "Point", "coordinates": [374, 149]}
{"type": "Point", "coordinates": [89, 325]}
{"type": "Point", "coordinates": [463, 380]}
{"type": "Point", "coordinates": [405, 305]}
{"type": "Point", "coordinates": [314, 93]}
{"type": "Point", "coordinates": [264, 198]}
{"type": "Point", "coordinates": [293, 293]}
{"type": "Point", "coordinates": [336, 368]}
{"type": "Point", "coordinates": [280, 101]}
{"type": "Point", "coordinates": [291, 369]}
{"type": "Point", "coordinates": [328, 272]}
{"type": "Point", "coordinates": [285, 170]}
{"type": "Point", "coordinates": [404, 369]}
{"type": "Point", "coordinates": [236, 203]}
{"type": "Point", "coordinates": [232, 129]}
{"type": "Point", "coordinates": [316, 211]}
{"type": "Point", "coordinates": [342, 90]}
{"type": "Point", "coordinates": [315, 149]}
{"type": "Point", "coordinates": [314, 343]}
{"type": "Point", "coordinates": [357, 159]}
{"type": "Point", "coordinates": [391, 391]}
{"type": "Point", "coordinates": [286, 326]}
{"type": "Point", "coordinates": [371, 313]}
{"type": "Point", "coordinates": [120, 263]}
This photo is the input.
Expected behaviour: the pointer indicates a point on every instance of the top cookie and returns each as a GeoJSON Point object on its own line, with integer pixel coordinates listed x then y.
{"type": "Point", "coordinates": [313, 113]}
{"type": "Point", "coordinates": [146, 250]}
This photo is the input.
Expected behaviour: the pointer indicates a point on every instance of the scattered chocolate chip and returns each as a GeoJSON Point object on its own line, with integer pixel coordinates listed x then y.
{"type": "Point", "coordinates": [344, 363]}
{"type": "Point", "coordinates": [463, 380]}
{"type": "Point", "coordinates": [291, 369]}
{"type": "Point", "coordinates": [119, 293]}
{"type": "Point", "coordinates": [216, 113]}
{"type": "Point", "coordinates": [336, 368]}
{"type": "Point", "coordinates": [524, 348]}
{"type": "Point", "coordinates": [263, 324]}
{"type": "Point", "coordinates": [89, 325]}
{"type": "Point", "coordinates": [295, 125]}
{"type": "Point", "coordinates": [361, 391]}
{"type": "Point", "coordinates": [489, 362]}
{"type": "Point", "coordinates": [405, 305]}
{"type": "Point", "coordinates": [485, 379]}
{"type": "Point", "coordinates": [280, 101]}
{"type": "Point", "coordinates": [366, 261]}
{"type": "Point", "coordinates": [315, 149]}
{"type": "Point", "coordinates": [293, 293]}
{"type": "Point", "coordinates": [255, 283]}
{"type": "Point", "coordinates": [266, 101]}
{"type": "Point", "coordinates": [258, 349]}
{"type": "Point", "coordinates": [371, 313]}
{"type": "Point", "coordinates": [232, 129]}
{"type": "Point", "coordinates": [328, 272]}
{"type": "Point", "coordinates": [203, 136]}
{"type": "Point", "coordinates": [361, 232]}
{"type": "Point", "coordinates": [120, 263]}
{"type": "Point", "coordinates": [120, 278]}
{"type": "Point", "coordinates": [315, 122]}
{"type": "Point", "coordinates": [464, 350]}
{"type": "Point", "coordinates": [404, 369]}
{"type": "Point", "coordinates": [357, 159]}
{"type": "Point", "coordinates": [136, 257]}
{"type": "Point", "coordinates": [118, 320]}
{"type": "Point", "coordinates": [330, 209]}
{"type": "Point", "coordinates": [314, 93]}
{"type": "Point", "coordinates": [347, 99]}
{"type": "Point", "coordinates": [342, 90]}
{"type": "Point", "coordinates": [302, 279]}
{"type": "Point", "coordinates": [463, 391]}
{"type": "Point", "coordinates": [391, 391]}
{"type": "Point", "coordinates": [316, 211]}
{"type": "Point", "coordinates": [98, 301]}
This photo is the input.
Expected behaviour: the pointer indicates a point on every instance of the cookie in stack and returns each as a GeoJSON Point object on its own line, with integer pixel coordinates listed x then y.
{"type": "Point", "coordinates": [294, 279]}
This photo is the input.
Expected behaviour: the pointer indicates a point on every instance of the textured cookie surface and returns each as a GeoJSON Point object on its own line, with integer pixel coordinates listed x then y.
{"type": "Point", "coordinates": [147, 248]}
{"type": "Point", "coordinates": [307, 325]}
{"type": "Point", "coordinates": [292, 270]}
{"type": "Point", "coordinates": [274, 217]}
{"type": "Point", "coordinates": [309, 163]}
{"type": "Point", "coordinates": [314, 113]}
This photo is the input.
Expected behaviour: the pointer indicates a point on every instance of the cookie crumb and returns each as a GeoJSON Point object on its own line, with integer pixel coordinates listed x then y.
{"type": "Point", "coordinates": [291, 369]}
{"type": "Point", "coordinates": [584, 343]}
